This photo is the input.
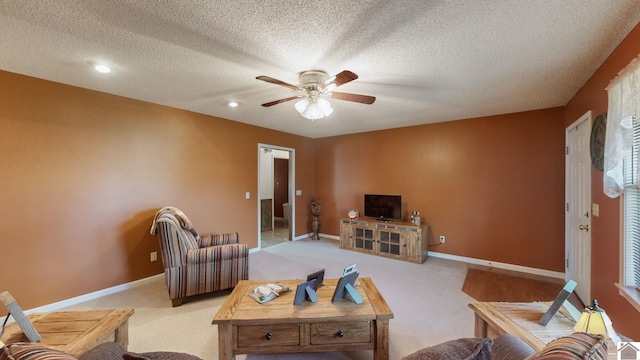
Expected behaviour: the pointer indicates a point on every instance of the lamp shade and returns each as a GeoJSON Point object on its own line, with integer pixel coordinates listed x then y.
{"type": "Point", "coordinates": [591, 322]}
{"type": "Point", "coordinates": [314, 109]}
{"type": "Point", "coordinates": [594, 320]}
{"type": "Point", "coordinates": [302, 105]}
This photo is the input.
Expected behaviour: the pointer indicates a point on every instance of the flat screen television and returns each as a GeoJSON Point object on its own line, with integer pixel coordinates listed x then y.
{"type": "Point", "coordinates": [383, 207]}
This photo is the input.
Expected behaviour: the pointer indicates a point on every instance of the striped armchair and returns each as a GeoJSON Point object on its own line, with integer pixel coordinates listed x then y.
{"type": "Point", "coordinates": [197, 264]}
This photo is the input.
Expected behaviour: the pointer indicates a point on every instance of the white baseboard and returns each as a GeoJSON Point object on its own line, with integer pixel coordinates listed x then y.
{"type": "Point", "coordinates": [301, 237]}
{"type": "Point", "coordinates": [499, 265]}
{"type": "Point", "coordinates": [326, 236]}
{"type": "Point", "coordinates": [90, 296]}
{"type": "Point", "coordinates": [305, 236]}
{"type": "Point", "coordinates": [488, 263]}
{"type": "Point", "coordinates": [115, 289]}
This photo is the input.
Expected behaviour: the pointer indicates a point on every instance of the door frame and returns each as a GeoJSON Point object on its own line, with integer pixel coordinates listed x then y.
{"type": "Point", "coordinates": [292, 186]}
{"type": "Point", "coordinates": [585, 119]}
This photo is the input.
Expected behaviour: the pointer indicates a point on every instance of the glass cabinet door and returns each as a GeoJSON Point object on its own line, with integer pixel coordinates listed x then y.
{"type": "Point", "coordinates": [364, 238]}
{"type": "Point", "coordinates": [389, 242]}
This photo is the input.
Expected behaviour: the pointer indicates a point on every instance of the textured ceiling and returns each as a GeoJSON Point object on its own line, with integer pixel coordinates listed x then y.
{"type": "Point", "coordinates": [425, 61]}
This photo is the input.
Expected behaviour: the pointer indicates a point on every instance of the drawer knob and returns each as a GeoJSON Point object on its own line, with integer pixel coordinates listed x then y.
{"type": "Point", "coordinates": [269, 336]}
{"type": "Point", "coordinates": [340, 333]}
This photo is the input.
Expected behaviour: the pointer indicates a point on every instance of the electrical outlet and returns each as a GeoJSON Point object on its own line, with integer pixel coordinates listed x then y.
{"type": "Point", "coordinates": [154, 256]}
{"type": "Point", "coordinates": [442, 239]}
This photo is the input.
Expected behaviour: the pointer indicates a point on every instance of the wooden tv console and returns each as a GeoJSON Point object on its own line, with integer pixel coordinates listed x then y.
{"type": "Point", "coordinates": [397, 240]}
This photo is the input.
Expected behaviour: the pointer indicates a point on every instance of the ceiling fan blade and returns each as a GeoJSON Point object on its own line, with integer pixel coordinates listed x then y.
{"type": "Point", "coordinates": [364, 99]}
{"type": "Point", "coordinates": [276, 102]}
{"type": "Point", "coordinates": [340, 79]}
{"type": "Point", "coordinates": [276, 81]}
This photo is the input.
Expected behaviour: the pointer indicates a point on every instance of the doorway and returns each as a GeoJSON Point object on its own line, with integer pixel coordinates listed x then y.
{"type": "Point", "coordinates": [578, 210]}
{"type": "Point", "coordinates": [276, 202]}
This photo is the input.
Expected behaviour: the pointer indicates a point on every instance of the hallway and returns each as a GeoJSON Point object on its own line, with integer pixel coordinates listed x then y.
{"type": "Point", "coordinates": [277, 235]}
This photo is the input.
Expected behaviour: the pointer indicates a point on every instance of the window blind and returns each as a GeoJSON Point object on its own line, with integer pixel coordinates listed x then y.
{"type": "Point", "coordinates": [632, 212]}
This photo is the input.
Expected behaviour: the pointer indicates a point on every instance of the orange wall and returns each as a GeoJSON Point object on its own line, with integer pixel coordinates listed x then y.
{"type": "Point", "coordinates": [605, 235]}
{"type": "Point", "coordinates": [84, 172]}
{"type": "Point", "coordinates": [493, 186]}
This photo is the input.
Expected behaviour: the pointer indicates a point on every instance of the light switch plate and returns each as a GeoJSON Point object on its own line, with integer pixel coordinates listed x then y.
{"type": "Point", "coordinates": [247, 195]}
{"type": "Point", "coordinates": [298, 192]}
{"type": "Point", "coordinates": [595, 209]}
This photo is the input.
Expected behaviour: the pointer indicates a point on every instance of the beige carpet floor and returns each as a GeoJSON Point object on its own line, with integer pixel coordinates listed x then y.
{"type": "Point", "coordinates": [428, 303]}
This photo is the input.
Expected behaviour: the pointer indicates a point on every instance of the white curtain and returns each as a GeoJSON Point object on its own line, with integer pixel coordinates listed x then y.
{"type": "Point", "coordinates": [624, 105]}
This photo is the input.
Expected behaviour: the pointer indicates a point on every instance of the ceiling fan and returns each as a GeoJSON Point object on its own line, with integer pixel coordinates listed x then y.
{"type": "Point", "coordinates": [316, 88]}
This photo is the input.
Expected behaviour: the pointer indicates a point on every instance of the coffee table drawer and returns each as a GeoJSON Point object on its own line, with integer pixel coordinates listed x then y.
{"type": "Point", "coordinates": [341, 333]}
{"type": "Point", "coordinates": [268, 335]}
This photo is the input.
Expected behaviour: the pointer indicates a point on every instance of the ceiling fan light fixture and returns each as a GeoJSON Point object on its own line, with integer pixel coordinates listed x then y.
{"type": "Point", "coordinates": [324, 104]}
{"type": "Point", "coordinates": [312, 112]}
{"type": "Point", "coordinates": [314, 109]}
{"type": "Point", "coordinates": [314, 91]}
{"type": "Point", "coordinates": [301, 105]}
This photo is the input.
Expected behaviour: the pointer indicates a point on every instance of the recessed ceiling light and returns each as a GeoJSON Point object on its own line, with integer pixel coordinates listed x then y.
{"type": "Point", "coordinates": [232, 104]}
{"type": "Point", "coordinates": [102, 68]}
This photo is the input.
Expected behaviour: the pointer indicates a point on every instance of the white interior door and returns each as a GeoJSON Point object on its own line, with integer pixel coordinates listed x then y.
{"type": "Point", "coordinates": [578, 207]}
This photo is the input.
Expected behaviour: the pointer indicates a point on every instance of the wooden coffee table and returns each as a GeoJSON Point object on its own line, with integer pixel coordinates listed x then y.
{"type": "Point", "coordinates": [278, 326]}
{"type": "Point", "coordinates": [75, 332]}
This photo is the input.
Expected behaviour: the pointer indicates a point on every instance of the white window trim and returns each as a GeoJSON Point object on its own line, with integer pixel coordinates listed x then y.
{"type": "Point", "coordinates": [629, 293]}
{"type": "Point", "coordinates": [624, 107]}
